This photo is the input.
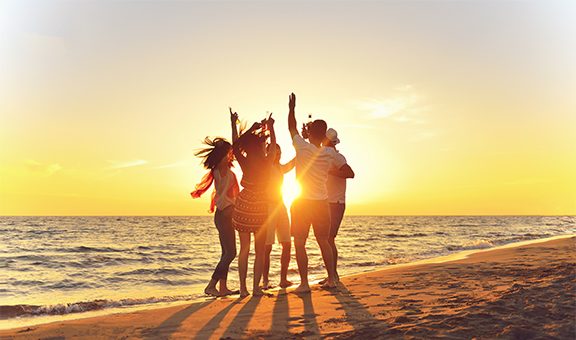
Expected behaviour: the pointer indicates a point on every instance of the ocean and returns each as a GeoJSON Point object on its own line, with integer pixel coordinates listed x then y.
{"type": "Point", "coordinates": [68, 265]}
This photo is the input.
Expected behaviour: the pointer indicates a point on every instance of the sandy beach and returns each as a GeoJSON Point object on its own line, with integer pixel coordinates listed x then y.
{"type": "Point", "coordinates": [520, 292]}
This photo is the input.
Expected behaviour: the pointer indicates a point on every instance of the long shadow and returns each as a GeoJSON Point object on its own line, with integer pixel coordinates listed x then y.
{"type": "Point", "coordinates": [242, 319]}
{"type": "Point", "coordinates": [357, 315]}
{"type": "Point", "coordinates": [281, 315]}
{"type": "Point", "coordinates": [209, 328]}
{"type": "Point", "coordinates": [309, 317]}
{"type": "Point", "coordinates": [172, 324]}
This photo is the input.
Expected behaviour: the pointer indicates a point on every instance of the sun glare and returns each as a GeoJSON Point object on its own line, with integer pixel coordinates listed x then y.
{"type": "Point", "coordinates": [290, 190]}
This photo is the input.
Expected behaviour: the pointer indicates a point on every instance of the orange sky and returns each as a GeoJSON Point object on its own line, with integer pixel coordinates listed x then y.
{"type": "Point", "coordinates": [442, 107]}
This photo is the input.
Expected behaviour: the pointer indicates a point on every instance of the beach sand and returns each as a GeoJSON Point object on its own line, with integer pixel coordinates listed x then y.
{"type": "Point", "coordinates": [521, 292]}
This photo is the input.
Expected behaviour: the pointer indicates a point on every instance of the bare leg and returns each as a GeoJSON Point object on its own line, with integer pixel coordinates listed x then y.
{"type": "Point", "coordinates": [328, 258]}
{"type": "Point", "coordinates": [302, 261]}
{"type": "Point", "coordinates": [266, 272]}
{"type": "Point", "coordinates": [211, 288]}
{"type": "Point", "coordinates": [332, 242]}
{"type": "Point", "coordinates": [224, 290]}
{"type": "Point", "coordinates": [260, 250]}
{"type": "Point", "coordinates": [284, 263]}
{"type": "Point", "coordinates": [243, 262]}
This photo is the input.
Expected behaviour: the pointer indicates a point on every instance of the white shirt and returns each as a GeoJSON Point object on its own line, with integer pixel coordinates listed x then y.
{"type": "Point", "coordinates": [222, 185]}
{"type": "Point", "coordinates": [312, 165]}
{"type": "Point", "coordinates": [335, 185]}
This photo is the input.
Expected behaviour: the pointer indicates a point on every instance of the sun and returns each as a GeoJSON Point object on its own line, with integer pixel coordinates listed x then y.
{"type": "Point", "coordinates": [290, 190]}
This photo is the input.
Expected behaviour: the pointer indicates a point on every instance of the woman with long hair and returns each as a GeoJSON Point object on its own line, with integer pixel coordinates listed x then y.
{"type": "Point", "coordinates": [251, 209]}
{"type": "Point", "coordinates": [217, 158]}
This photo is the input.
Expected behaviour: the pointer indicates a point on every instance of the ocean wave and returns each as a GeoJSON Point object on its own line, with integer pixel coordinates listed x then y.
{"type": "Point", "coordinates": [25, 282]}
{"type": "Point", "coordinates": [158, 271]}
{"type": "Point", "coordinates": [69, 284]}
{"type": "Point", "coordinates": [86, 249]}
{"type": "Point", "coordinates": [99, 254]}
{"type": "Point", "coordinates": [478, 244]}
{"type": "Point", "coordinates": [394, 235]}
{"type": "Point", "coordinates": [12, 311]}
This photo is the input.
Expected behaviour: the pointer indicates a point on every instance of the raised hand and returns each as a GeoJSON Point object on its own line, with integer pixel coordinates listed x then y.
{"type": "Point", "coordinates": [292, 101]}
{"type": "Point", "coordinates": [233, 116]}
{"type": "Point", "coordinates": [305, 131]}
{"type": "Point", "coordinates": [270, 121]}
{"type": "Point", "coordinates": [255, 126]}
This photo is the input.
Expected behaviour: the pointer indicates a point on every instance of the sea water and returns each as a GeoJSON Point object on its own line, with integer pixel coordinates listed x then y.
{"type": "Point", "coordinates": [62, 265]}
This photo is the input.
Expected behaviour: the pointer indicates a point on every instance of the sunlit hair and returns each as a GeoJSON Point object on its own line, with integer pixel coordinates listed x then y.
{"type": "Point", "coordinates": [252, 142]}
{"type": "Point", "coordinates": [317, 129]}
{"type": "Point", "coordinates": [278, 151]}
{"type": "Point", "coordinates": [218, 148]}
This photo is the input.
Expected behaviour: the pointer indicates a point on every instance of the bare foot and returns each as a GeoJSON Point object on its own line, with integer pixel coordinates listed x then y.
{"type": "Point", "coordinates": [330, 284]}
{"type": "Point", "coordinates": [260, 292]}
{"type": "Point", "coordinates": [302, 289]}
{"type": "Point", "coordinates": [323, 281]}
{"type": "Point", "coordinates": [265, 284]}
{"type": "Point", "coordinates": [244, 293]}
{"type": "Point", "coordinates": [212, 291]}
{"type": "Point", "coordinates": [227, 292]}
{"type": "Point", "coordinates": [285, 284]}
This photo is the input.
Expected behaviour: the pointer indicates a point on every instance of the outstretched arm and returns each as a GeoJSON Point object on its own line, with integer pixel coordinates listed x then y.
{"type": "Point", "coordinates": [288, 166]}
{"type": "Point", "coordinates": [234, 121]}
{"type": "Point", "coordinates": [236, 146]}
{"type": "Point", "coordinates": [345, 171]}
{"type": "Point", "coordinates": [270, 125]}
{"type": "Point", "coordinates": [292, 127]}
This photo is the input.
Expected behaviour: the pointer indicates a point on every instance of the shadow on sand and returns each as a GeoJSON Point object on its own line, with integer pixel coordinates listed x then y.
{"type": "Point", "coordinates": [357, 315]}
{"type": "Point", "coordinates": [238, 326]}
{"type": "Point", "coordinates": [171, 325]}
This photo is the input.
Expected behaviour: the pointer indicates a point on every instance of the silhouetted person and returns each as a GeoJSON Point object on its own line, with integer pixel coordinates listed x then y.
{"type": "Point", "coordinates": [251, 209]}
{"type": "Point", "coordinates": [336, 186]}
{"type": "Point", "coordinates": [278, 223]}
{"type": "Point", "coordinates": [218, 160]}
{"type": "Point", "coordinates": [313, 161]}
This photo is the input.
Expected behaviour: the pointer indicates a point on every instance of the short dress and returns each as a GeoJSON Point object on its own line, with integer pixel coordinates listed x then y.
{"type": "Point", "coordinates": [251, 208]}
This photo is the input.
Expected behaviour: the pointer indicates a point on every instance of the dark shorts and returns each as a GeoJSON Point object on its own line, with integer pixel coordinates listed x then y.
{"type": "Point", "coordinates": [310, 212]}
{"type": "Point", "coordinates": [336, 215]}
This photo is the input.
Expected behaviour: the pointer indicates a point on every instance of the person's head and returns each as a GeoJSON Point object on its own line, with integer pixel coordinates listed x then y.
{"type": "Point", "coordinates": [278, 152]}
{"type": "Point", "coordinates": [254, 144]}
{"type": "Point", "coordinates": [317, 131]}
{"type": "Point", "coordinates": [218, 150]}
{"type": "Point", "coordinates": [331, 138]}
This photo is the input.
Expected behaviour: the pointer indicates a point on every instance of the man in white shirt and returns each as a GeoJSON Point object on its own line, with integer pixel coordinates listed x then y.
{"type": "Point", "coordinates": [336, 186]}
{"type": "Point", "coordinates": [313, 161]}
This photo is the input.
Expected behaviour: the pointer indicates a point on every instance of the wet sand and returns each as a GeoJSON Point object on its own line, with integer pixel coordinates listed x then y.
{"type": "Point", "coordinates": [521, 292]}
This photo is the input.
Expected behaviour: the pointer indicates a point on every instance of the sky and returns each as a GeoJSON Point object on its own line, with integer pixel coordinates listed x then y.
{"type": "Point", "coordinates": [442, 107]}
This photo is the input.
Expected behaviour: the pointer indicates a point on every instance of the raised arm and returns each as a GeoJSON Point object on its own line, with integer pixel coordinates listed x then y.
{"type": "Point", "coordinates": [292, 126]}
{"type": "Point", "coordinates": [236, 146]}
{"type": "Point", "coordinates": [288, 166]}
{"type": "Point", "coordinates": [270, 125]}
{"type": "Point", "coordinates": [234, 122]}
{"type": "Point", "coordinates": [345, 171]}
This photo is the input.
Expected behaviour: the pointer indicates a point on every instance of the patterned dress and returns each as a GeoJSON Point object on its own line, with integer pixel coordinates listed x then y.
{"type": "Point", "coordinates": [251, 209]}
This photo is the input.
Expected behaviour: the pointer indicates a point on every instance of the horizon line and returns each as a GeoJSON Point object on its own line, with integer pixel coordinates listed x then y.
{"type": "Point", "coordinates": [350, 215]}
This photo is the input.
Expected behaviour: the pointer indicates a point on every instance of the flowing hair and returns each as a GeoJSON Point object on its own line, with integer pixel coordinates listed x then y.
{"type": "Point", "coordinates": [218, 148]}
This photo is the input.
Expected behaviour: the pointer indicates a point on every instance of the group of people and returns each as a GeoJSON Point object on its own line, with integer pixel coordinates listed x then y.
{"type": "Point", "coordinates": [258, 209]}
